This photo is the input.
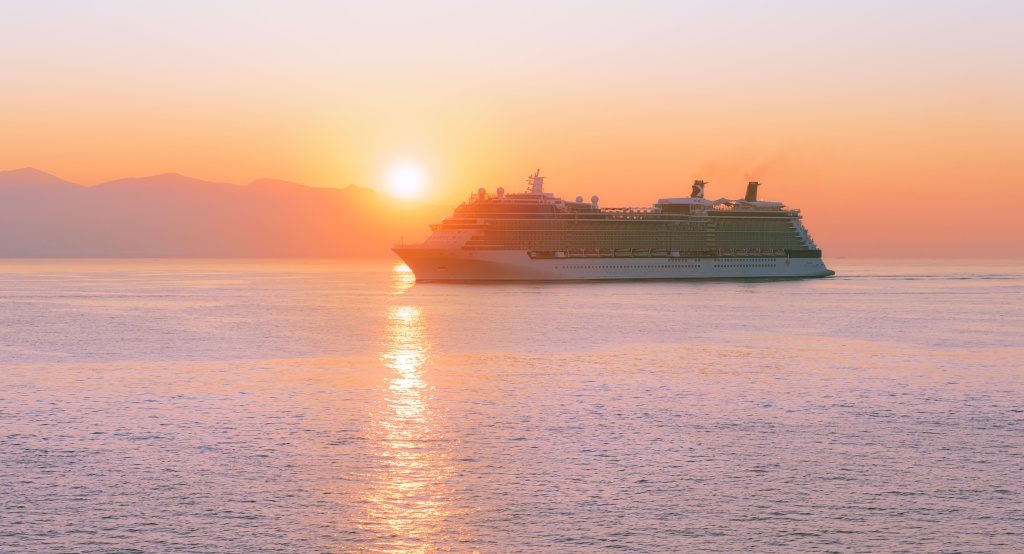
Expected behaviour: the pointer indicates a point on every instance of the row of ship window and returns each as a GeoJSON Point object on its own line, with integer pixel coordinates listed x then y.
{"type": "Point", "coordinates": [636, 237]}
{"type": "Point", "coordinates": [659, 266]}
{"type": "Point", "coordinates": [681, 248]}
{"type": "Point", "coordinates": [777, 227]}
{"type": "Point", "coordinates": [676, 266]}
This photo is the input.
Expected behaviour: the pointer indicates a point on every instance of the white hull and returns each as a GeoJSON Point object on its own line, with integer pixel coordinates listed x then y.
{"type": "Point", "coordinates": [441, 264]}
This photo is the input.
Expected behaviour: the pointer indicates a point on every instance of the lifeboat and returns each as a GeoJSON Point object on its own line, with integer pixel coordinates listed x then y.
{"type": "Point", "coordinates": [592, 253]}
{"type": "Point", "coordinates": [607, 253]}
{"type": "Point", "coordinates": [575, 253]}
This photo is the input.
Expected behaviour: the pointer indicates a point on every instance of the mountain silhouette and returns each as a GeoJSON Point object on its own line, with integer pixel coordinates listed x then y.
{"type": "Point", "coordinates": [172, 215]}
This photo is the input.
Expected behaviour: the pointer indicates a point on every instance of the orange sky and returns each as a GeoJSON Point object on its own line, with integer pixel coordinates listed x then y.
{"type": "Point", "coordinates": [896, 128]}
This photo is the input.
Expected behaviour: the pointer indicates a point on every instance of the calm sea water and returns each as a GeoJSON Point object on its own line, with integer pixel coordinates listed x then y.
{"type": "Point", "coordinates": [235, 406]}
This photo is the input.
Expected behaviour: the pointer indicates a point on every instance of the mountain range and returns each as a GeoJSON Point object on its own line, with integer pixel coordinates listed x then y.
{"type": "Point", "coordinates": [172, 215]}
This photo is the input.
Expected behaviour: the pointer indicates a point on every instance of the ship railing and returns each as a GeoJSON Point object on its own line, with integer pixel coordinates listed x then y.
{"type": "Point", "coordinates": [627, 210]}
{"type": "Point", "coordinates": [630, 213]}
{"type": "Point", "coordinates": [734, 207]}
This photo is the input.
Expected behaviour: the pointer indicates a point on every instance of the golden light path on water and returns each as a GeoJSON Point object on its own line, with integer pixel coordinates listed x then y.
{"type": "Point", "coordinates": [408, 503]}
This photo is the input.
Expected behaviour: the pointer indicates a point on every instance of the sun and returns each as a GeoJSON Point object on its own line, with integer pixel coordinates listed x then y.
{"type": "Point", "coordinates": [406, 181]}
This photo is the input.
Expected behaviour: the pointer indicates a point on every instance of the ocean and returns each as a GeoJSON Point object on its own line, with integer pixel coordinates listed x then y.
{"type": "Point", "coordinates": [322, 406]}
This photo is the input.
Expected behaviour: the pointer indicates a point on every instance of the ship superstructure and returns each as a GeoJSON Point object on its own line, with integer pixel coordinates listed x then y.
{"type": "Point", "coordinates": [534, 235]}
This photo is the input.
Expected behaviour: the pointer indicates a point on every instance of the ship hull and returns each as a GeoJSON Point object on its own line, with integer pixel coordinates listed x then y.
{"type": "Point", "coordinates": [433, 264]}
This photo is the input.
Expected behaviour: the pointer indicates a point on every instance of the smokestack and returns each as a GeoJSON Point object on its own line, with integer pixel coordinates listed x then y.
{"type": "Point", "coordinates": [752, 191]}
{"type": "Point", "coordinates": [698, 189]}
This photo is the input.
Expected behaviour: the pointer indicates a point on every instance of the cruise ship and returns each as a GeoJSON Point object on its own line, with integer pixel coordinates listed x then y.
{"type": "Point", "coordinates": [536, 236]}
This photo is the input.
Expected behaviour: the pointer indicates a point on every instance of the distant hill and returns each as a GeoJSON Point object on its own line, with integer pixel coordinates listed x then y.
{"type": "Point", "coordinates": [173, 215]}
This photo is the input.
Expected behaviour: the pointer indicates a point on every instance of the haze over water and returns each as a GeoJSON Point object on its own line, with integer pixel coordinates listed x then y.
{"type": "Point", "coordinates": [228, 406]}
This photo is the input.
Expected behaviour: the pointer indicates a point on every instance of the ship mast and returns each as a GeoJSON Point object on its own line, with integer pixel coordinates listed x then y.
{"type": "Point", "coordinates": [536, 182]}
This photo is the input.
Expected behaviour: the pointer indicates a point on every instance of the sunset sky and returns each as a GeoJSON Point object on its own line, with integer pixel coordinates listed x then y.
{"type": "Point", "coordinates": [907, 114]}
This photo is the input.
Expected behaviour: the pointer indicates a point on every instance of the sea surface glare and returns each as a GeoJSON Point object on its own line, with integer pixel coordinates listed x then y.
{"type": "Point", "coordinates": [250, 406]}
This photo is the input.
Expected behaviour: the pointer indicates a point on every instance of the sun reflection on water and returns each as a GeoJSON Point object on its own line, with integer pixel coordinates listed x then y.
{"type": "Point", "coordinates": [401, 278]}
{"type": "Point", "coordinates": [409, 504]}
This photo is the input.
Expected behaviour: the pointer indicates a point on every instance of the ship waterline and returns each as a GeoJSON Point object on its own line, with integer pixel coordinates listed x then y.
{"type": "Point", "coordinates": [536, 236]}
{"type": "Point", "coordinates": [440, 265]}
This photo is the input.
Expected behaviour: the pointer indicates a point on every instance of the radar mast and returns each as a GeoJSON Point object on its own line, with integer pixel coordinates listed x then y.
{"type": "Point", "coordinates": [536, 182]}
